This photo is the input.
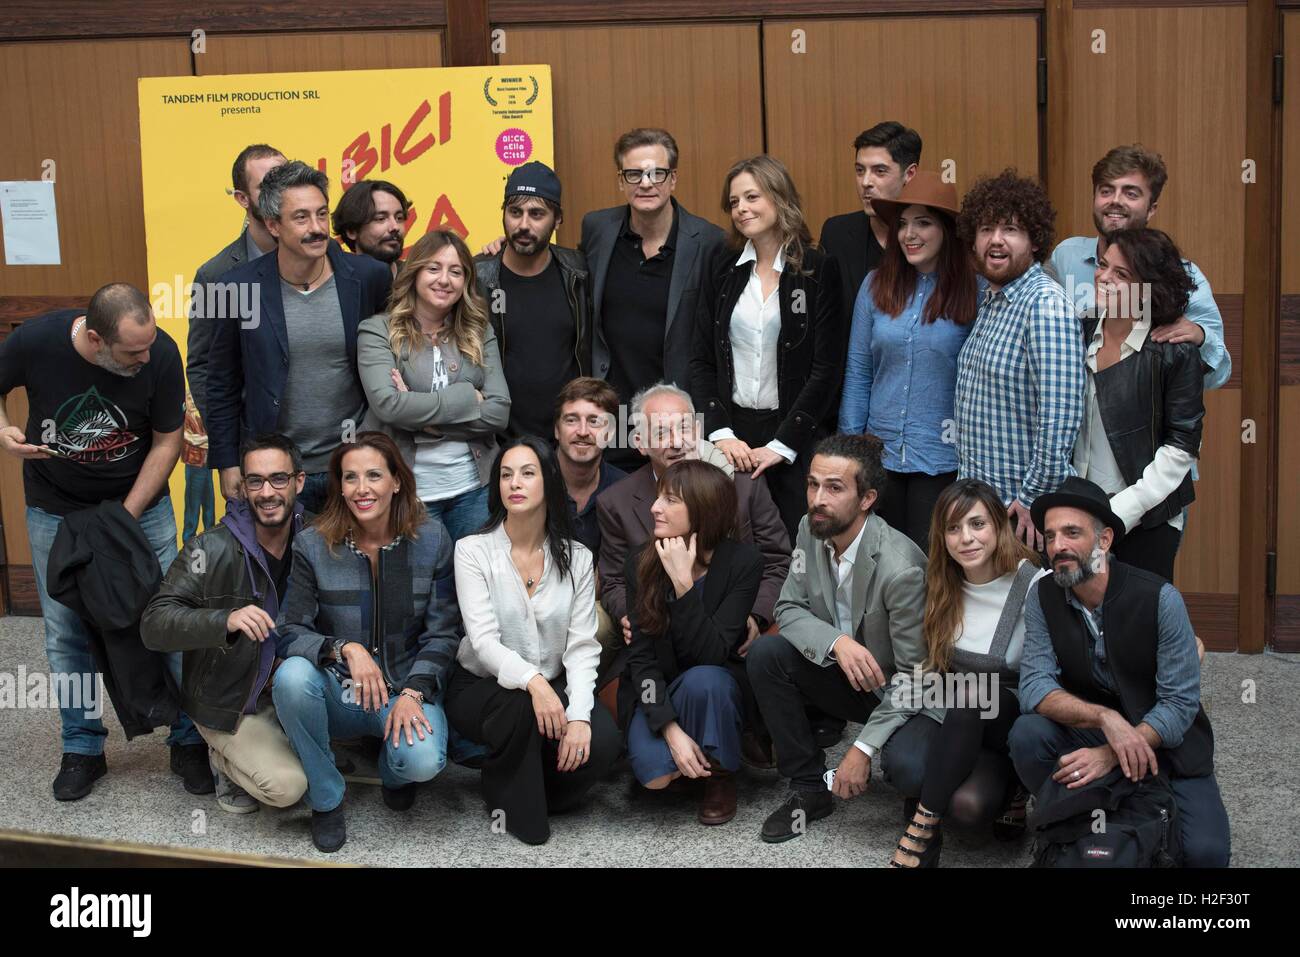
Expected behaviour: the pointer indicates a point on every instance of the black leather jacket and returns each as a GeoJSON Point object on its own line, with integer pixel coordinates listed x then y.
{"type": "Point", "coordinates": [577, 285]}
{"type": "Point", "coordinates": [1151, 399]}
{"type": "Point", "coordinates": [810, 353]}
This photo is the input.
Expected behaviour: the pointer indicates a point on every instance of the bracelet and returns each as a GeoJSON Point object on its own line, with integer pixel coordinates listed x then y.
{"type": "Point", "coordinates": [416, 696]}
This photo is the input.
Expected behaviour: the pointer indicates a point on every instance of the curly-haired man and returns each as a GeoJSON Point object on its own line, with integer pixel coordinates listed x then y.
{"type": "Point", "coordinates": [1020, 375]}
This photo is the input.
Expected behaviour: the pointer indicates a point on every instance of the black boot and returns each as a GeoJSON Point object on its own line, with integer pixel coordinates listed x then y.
{"type": "Point", "coordinates": [329, 830]}
{"type": "Point", "coordinates": [77, 776]}
{"type": "Point", "coordinates": [190, 761]}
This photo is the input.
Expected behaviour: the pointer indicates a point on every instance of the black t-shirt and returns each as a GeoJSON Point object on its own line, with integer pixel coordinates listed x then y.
{"type": "Point", "coordinates": [634, 311]}
{"type": "Point", "coordinates": [104, 421]}
{"type": "Point", "coordinates": [539, 355]}
{"type": "Point", "coordinates": [279, 567]}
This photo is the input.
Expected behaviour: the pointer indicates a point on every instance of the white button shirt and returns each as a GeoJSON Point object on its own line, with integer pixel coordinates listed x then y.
{"type": "Point", "coordinates": [843, 567]}
{"type": "Point", "coordinates": [755, 336]}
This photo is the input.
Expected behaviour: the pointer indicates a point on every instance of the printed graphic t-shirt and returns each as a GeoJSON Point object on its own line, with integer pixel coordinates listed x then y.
{"type": "Point", "coordinates": [103, 421]}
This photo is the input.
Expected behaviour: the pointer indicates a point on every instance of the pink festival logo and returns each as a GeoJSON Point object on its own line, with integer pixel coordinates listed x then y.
{"type": "Point", "coordinates": [514, 146]}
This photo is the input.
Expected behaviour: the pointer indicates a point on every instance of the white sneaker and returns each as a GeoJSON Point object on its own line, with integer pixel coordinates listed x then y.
{"type": "Point", "coordinates": [232, 798]}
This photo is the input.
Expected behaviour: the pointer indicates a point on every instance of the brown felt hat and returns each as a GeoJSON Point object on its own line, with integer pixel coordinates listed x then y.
{"type": "Point", "coordinates": [926, 188]}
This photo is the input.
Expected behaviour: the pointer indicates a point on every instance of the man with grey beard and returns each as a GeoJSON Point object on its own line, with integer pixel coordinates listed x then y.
{"type": "Point", "coordinates": [1110, 675]}
{"type": "Point", "coordinates": [106, 405]}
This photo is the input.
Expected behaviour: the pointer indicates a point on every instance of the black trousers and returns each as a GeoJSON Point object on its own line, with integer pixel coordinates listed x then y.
{"type": "Point", "coordinates": [787, 483]}
{"type": "Point", "coordinates": [785, 682]}
{"type": "Point", "coordinates": [519, 773]}
{"type": "Point", "coordinates": [968, 772]}
{"type": "Point", "coordinates": [1153, 549]}
{"type": "Point", "coordinates": [907, 502]}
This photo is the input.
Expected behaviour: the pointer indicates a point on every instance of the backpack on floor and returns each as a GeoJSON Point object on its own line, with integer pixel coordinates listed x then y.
{"type": "Point", "coordinates": [1114, 822]}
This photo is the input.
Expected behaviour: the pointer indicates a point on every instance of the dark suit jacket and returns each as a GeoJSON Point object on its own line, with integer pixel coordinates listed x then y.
{"type": "Point", "coordinates": [705, 627]}
{"type": "Point", "coordinates": [810, 350]}
{"type": "Point", "coordinates": [199, 336]}
{"type": "Point", "coordinates": [248, 363]}
{"type": "Point", "coordinates": [848, 239]}
{"type": "Point", "coordinates": [698, 242]}
{"type": "Point", "coordinates": [623, 511]}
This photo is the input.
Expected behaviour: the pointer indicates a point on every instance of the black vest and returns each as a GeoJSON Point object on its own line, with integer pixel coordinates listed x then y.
{"type": "Point", "coordinates": [1130, 623]}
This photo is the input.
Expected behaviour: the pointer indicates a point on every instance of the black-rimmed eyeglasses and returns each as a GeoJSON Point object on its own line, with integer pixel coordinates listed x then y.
{"type": "Point", "coordinates": [634, 177]}
{"type": "Point", "coordinates": [254, 483]}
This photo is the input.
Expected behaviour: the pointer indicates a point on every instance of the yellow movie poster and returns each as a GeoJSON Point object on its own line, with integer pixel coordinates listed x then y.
{"type": "Point", "coordinates": [447, 137]}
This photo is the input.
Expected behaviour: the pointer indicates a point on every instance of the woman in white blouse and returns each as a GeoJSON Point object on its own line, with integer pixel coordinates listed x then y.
{"type": "Point", "coordinates": [526, 677]}
{"type": "Point", "coordinates": [769, 348]}
{"type": "Point", "coordinates": [976, 582]}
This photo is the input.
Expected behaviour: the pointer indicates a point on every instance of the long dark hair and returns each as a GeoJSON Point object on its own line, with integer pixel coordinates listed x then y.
{"type": "Point", "coordinates": [406, 513]}
{"type": "Point", "coordinates": [955, 293]}
{"type": "Point", "coordinates": [945, 579]}
{"type": "Point", "coordinates": [559, 526]}
{"type": "Point", "coordinates": [1154, 259]}
{"type": "Point", "coordinates": [711, 506]}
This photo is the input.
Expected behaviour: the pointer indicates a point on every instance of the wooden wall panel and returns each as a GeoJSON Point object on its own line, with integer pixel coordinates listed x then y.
{"type": "Point", "coordinates": [75, 103]}
{"type": "Point", "coordinates": [701, 82]}
{"type": "Point", "coordinates": [1173, 79]}
{"type": "Point", "coordinates": [933, 74]}
{"type": "Point", "coordinates": [310, 52]}
{"type": "Point", "coordinates": [1207, 558]}
{"type": "Point", "coordinates": [13, 507]}
{"type": "Point", "coordinates": [1288, 452]}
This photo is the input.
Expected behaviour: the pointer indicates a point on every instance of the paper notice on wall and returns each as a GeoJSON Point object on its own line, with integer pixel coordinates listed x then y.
{"type": "Point", "coordinates": [31, 226]}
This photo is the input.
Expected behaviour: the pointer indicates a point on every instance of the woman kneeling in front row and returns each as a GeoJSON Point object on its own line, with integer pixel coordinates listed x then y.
{"type": "Point", "coordinates": [526, 676]}
{"type": "Point", "coordinates": [690, 591]}
{"type": "Point", "coordinates": [974, 626]}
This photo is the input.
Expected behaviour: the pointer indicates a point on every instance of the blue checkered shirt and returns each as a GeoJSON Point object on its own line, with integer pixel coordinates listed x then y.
{"type": "Point", "coordinates": [1020, 383]}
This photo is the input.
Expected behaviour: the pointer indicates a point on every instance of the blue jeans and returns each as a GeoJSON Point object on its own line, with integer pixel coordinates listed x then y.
{"type": "Point", "coordinates": [462, 514]}
{"type": "Point", "coordinates": [67, 640]}
{"type": "Point", "coordinates": [708, 705]}
{"type": "Point", "coordinates": [314, 490]}
{"type": "Point", "coordinates": [310, 704]}
{"type": "Point", "coordinates": [200, 501]}
{"type": "Point", "coordinates": [1037, 742]}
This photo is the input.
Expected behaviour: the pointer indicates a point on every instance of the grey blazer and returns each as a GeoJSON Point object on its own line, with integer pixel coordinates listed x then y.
{"type": "Point", "coordinates": [455, 411]}
{"type": "Point", "coordinates": [698, 241]}
{"type": "Point", "coordinates": [199, 335]}
{"type": "Point", "coordinates": [887, 609]}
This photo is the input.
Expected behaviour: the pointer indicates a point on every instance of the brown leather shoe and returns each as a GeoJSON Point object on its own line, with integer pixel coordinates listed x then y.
{"type": "Point", "coordinates": [719, 804]}
{"type": "Point", "coordinates": [757, 752]}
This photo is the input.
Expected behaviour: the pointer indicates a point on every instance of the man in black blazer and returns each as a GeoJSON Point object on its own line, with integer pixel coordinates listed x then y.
{"type": "Point", "coordinates": [885, 157]}
{"type": "Point", "coordinates": [646, 258]}
{"type": "Point", "coordinates": [284, 347]}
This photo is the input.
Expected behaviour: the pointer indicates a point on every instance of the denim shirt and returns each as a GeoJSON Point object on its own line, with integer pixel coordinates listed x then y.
{"type": "Point", "coordinates": [1178, 667]}
{"type": "Point", "coordinates": [900, 379]}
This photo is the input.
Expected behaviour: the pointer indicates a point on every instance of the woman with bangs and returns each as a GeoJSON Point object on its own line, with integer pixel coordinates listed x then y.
{"type": "Point", "coordinates": [685, 695]}
{"type": "Point", "coordinates": [769, 345]}
{"type": "Point", "coordinates": [431, 371]}
{"type": "Point", "coordinates": [911, 317]}
{"type": "Point", "coordinates": [976, 581]}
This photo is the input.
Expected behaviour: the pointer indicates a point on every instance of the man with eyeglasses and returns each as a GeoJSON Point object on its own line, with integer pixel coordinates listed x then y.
{"type": "Point", "coordinates": [217, 605]}
{"type": "Point", "coordinates": [646, 259]}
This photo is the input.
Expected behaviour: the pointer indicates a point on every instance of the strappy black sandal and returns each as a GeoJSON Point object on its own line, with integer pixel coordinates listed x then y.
{"type": "Point", "coordinates": [1012, 824]}
{"type": "Point", "coordinates": [931, 841]}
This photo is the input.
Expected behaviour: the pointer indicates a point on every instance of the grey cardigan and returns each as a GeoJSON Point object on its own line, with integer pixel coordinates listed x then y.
{"type": "Point", "coordinates": [455, 411]}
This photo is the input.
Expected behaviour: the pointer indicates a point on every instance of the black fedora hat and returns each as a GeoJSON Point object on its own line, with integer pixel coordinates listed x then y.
{"type": "Point", "coordinates": [1079, 493]}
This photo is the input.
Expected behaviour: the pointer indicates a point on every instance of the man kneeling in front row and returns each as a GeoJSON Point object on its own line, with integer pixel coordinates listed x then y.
{"type": "Point", "coordinates": [1110, 673]}
{"type": "Point", "coordinates": [218, 604]}
{"type": "Point", "coordinates": [850, 617]}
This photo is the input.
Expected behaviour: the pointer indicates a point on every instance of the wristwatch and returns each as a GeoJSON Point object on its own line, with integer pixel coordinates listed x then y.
{"type": "Point", "coordinates": [338, 648]}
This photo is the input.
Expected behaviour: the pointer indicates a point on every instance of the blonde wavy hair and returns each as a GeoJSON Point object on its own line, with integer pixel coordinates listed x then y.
{"type": "Point", "coordinates": [775, 182]}
{"type": "Point", "coordinates": [466, 323]}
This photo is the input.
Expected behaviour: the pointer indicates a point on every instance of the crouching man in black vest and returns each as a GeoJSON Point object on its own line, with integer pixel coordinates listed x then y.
{"type": "Point", "coordinates": [1110, 673]}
